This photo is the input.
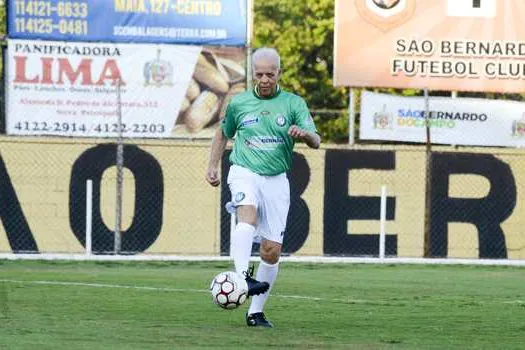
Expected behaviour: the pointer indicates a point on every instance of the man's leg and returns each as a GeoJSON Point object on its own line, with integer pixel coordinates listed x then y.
{"type": "Point", "coordinates": [272, 223]}
{"type": "Point", "coordinates": [244, 189]}
{"type": "Point", "coordinates": [267, 272]}
{"type": "Point", "coordinates": [241, 246]}
{"type": "Point", "coordinates": [242, 237]}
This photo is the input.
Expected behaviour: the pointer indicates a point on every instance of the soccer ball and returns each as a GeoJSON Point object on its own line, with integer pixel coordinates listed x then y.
{"type": "Point", "coordinates": [229, 290]}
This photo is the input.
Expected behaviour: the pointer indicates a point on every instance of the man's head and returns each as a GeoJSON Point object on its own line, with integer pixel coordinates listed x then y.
{"type": "Point", "coordinates": [266, 66]}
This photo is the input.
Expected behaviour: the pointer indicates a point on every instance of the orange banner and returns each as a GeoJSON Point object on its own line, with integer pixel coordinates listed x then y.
{"type": "Point", "coordinates": [463, 45]}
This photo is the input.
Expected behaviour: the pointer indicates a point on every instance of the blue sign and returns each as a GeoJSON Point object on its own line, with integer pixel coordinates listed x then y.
{"type": "Point", "coordinates": [199, 22]}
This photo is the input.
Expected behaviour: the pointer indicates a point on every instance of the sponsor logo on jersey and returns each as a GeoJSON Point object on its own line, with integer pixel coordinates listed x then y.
{"type": "Point", "coordinates": [249, 120]}
{"type": "Point", "coordinates": [264, 143]}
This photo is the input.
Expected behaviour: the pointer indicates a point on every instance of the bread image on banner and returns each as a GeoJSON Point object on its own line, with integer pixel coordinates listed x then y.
{"type": "Point", "coordinates": [219, 74]}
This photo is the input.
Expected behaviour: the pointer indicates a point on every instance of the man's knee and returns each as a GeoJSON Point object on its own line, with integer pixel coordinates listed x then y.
{"type": "Point", "coordinates": [247, 214]}
{"type": "Point", "coordinates": [270, 252]}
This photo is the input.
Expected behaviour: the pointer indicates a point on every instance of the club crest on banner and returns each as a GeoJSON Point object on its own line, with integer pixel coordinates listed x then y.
{"type": "Point", "coordinates": [518, 127]}
{"type": "Point", "coordinates": [383, 120]}
{"type": "Point", "coordinates": [386, 14]}
{"type": "Point", "coordinates": [158, 72]}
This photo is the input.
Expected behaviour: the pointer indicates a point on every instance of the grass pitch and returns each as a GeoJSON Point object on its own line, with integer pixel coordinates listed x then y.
{"type": "Point", "coordinates": [146, 305]}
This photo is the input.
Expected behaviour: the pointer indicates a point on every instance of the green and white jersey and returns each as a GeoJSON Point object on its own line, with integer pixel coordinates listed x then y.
{"type": "Point", "coordinates": [260, 126]}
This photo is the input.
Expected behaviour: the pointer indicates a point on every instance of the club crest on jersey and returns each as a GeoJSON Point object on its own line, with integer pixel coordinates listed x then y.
{"type": "Point", "coordinates": [280, 120]}
{"type": "Point", "coordinates": [239, 196]}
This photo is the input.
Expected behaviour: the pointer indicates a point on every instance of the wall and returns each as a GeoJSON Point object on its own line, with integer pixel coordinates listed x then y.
{"type": "Point", "coordinates": [476, 199]}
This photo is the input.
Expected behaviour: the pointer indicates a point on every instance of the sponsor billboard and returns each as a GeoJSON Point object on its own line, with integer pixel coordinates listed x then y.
{"type": "Point", "coordinates": [464, 45]}
{"type": "Point", "coordinates": [334, 207]}
{"type": "Point", "coordinates": [71, 89]}
{"type": "Point", "coordinates": [456, 121]}
{"type": "Point", "coordinates": [209, 22]}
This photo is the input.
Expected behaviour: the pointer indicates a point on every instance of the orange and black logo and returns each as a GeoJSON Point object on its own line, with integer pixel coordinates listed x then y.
{"type": "Point", "coordinates": [386, 14]}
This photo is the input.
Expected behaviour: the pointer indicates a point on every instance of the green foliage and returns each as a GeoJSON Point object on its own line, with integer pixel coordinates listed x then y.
{"type": "Point", "coordinates": [332, 126]}
{"type": "Point", "coordinates": [3, 29]}
{"type": "Point", "coordinates": [303, 32]}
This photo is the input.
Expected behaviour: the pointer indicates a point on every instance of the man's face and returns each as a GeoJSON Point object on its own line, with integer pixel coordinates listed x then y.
{"type": "Point", "coordinates": [266, 76]}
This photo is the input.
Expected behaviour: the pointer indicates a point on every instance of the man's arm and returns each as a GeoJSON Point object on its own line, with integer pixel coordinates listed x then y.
{"type": "Point", "coordinates": [312, 139]}
{"type": "Point", "coordinates": [218, 146]}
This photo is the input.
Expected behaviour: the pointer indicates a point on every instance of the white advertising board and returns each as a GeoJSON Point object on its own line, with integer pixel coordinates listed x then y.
{"type": "Point", "coordinates": [70, 89]}
{"type": "Point", "coordinates": [455, 121]}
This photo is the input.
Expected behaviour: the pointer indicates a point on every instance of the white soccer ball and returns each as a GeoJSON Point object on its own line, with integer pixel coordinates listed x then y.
{"type": "Point", "coordinates": [229, 290]}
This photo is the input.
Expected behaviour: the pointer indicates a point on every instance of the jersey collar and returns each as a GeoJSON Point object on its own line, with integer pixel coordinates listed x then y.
{"type": "Point", "coordinates": [256, 93]}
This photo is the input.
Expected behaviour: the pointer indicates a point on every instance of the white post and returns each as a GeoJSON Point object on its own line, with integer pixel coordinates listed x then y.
{"type": "Point", "coordinates": [382, 223]}
{"type": "Point", "coordinates": [89, 215]}
{"type": "Point", "coordinates": [351, 116]}
{"type": "Point", "coordinates": [249, 36]}
{"type": "Point", "coordinates": [120, 176]}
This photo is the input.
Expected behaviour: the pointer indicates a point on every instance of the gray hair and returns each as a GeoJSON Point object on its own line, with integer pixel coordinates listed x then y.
{"type": "Point", "coordinates": [267, 53]}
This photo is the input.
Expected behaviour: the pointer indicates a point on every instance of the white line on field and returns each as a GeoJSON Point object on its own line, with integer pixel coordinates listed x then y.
{"type": "Point", "coordinates": [161, 289]}
{"type": "Point", "coordinates": [189, 290]}
{"type": "Point", "coordinates": [102, 285]}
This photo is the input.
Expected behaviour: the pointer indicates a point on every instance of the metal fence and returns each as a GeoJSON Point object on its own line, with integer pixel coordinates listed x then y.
{"type": "Point", "coordinates": [442, 202]}
{"type": "Point", "coordinates": [470, 208]}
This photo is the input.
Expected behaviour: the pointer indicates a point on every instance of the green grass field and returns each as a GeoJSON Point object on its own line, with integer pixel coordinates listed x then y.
{"type": "Point", "coordinates": [140, 305]}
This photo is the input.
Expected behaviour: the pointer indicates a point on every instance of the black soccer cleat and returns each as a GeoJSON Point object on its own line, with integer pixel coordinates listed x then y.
{"type": "Point", "coordinates": [255, 287]}
{"type": "Point", "coordinates": [258, 320]}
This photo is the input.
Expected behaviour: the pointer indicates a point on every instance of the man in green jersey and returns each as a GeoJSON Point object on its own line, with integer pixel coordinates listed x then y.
{"type": "Point", "coordinates": [266, 122]}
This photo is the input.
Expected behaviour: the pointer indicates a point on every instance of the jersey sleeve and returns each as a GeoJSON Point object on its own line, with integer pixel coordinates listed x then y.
{"type": "Point", "coordinates": [303, 118]}
{"type": "Point", "coordinates": [228, 124]}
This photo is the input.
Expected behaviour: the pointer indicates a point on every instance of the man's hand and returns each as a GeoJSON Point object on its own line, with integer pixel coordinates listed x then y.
{"type": "Point", "coordinates": [296, 132]}
{"type": "Point", "coordinates": [217, 149]}
{"type": "Point", "coordinates": [212, 176]}
{"type": "Point", "coordinates": [311, 139]}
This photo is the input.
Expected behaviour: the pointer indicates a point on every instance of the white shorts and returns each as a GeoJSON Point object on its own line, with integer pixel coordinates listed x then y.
{"type": "Point", "coordinates": [269, 194]}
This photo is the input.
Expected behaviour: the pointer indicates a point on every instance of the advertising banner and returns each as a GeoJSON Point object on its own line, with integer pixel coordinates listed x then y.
{"type": "Point", "coordinates": [459, 121]}
{"type": "Point", "coordinates": [71, 89]}
{"type": "Point", "coordinates": [200, 22]}
{"type": "Point", "coordinates": [461, 45]}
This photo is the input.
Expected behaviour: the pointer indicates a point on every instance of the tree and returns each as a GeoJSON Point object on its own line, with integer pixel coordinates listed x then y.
{"type": "Point", "coordinates": [3, 30]}
{"type": "Point", "coordinates": [303, 33]}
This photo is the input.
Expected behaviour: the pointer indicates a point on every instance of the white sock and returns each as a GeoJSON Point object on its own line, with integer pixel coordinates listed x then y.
{"type": "Point", "coordinates": [241, 246]}
{"type": "Point", "coordinates": [265, 273]}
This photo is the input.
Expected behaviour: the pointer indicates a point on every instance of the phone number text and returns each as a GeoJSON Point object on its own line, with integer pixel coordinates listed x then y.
{"type": "Point", "coordinates": [48, 26]}
{"type": "Point", "coordinates": [47, 8]}
{"type": "Point", "coordinates": [80, 128]}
